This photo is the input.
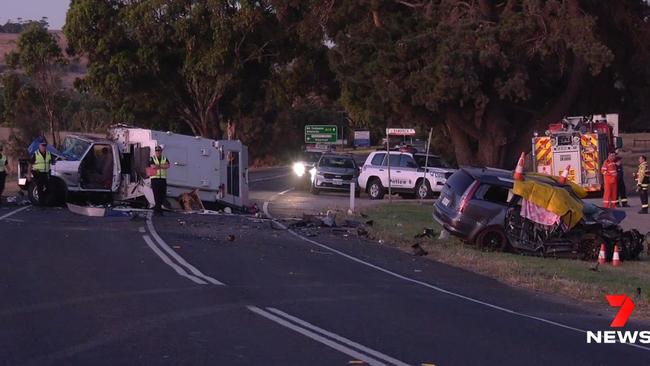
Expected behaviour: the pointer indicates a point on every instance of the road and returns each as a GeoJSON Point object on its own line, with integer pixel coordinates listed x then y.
{"type": "Point", "coordinates": [234, 290]}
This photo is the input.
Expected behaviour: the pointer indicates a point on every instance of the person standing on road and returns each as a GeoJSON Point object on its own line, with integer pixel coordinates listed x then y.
{"type": "Point", "coordinates": [39, 166]}
{"type": "Point", "coordinates": [159, 181]}
{"type": "Point", "coordinates": [610, 176]}
{"type": "Point", "coordinates": [642, 180]}
{"type": "Point", "coordinates": [3, 172]}
{"type": "Point", "coordinates": [622, 194]}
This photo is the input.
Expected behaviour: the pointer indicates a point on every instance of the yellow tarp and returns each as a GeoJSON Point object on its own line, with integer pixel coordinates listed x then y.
{"type": "Point", "coordinates": [553, 199]}
{"type": "Point", "coordinates": [578, 190]}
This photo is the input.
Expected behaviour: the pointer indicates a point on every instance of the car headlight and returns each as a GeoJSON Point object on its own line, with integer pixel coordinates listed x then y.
{"type": "Point", "coordinates": [299, 169]}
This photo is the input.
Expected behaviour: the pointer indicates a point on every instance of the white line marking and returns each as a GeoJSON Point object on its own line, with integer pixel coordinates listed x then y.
{"type": "Point", "coordinates": [141, 229]}
{"type": "Point", "coordinates": [433, 287]}
{"type": "Point", "coordinates": [178, 258]}
{"type": "Point", "coordinates": [13, 212]}
{"type": "Point", "coordinates": [269, 178]}
{"type": "Point", "coordinates": [317, 338]}
{"type": "Point", "coordinates": [265, 207]}
{"type": "Point", "coordinates": [169, 262]}
{"type": "Point", "coordinates": [337, 337]}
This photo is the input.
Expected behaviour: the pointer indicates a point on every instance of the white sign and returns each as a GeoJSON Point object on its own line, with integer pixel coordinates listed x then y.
{"type": "Point", "coordinates": [400, 131]}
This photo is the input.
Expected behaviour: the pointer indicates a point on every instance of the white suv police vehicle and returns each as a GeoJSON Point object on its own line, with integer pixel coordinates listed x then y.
{"type": "Point", "coordinates": [407, 178]}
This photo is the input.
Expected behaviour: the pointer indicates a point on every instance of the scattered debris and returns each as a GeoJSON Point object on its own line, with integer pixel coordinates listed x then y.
{"type": "Point", "coordinates": [361, 231]}
{"type": "Point", "coordinates": [418, 250]}
{"type": "Point", "coordinates": [444, 235]}
{"type": "Point", "coordinates": [230, 237]}
{"type": "Point", "coordinates": [227, 210]}
{"type": "Point", "coordinates": [426, 233]}
{"type": "Point", "coordinates": [87, 210]}
{"type": "Point", "coordinates": [191, 201]}
{"type": "Point", "coordinates": [380, 241]}
{"type": "Point", "coordinates": [370, 222]}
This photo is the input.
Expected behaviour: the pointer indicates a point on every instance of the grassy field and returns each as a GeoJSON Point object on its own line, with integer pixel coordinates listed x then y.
{"type": "Point", "coordinates": [397, 224]}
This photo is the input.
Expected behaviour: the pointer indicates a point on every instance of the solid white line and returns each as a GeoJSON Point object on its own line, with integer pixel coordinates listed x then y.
{"type": "Point", "coordinates": [265, 207]}
{"type": "Point", "coordinates": [169, 262]}
{"type": "Point", "coordinates": [440, 289]}
{"type": "Point", "coordinates": [269, 178]}
{"type": "Point", "coordinates": [317, 338]}
{"type": "Point", "coordinates": [337, 337]}
{"type": "Point", "coordinates": [13, 212]}
{"type": "Point", "coordinates": [178, 258]}
{"type": "Point", "coordinates": [141, 229]}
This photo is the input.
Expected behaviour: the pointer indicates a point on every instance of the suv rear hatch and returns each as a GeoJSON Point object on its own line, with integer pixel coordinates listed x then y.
{"type": "Point", "coordinates": [455, 187]}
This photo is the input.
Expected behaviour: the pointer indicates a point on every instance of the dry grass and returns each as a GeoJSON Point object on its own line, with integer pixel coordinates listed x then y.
{"type": "Point", "coordinates": [398, 223]}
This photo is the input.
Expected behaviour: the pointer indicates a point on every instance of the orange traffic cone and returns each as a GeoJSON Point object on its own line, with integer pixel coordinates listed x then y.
{"type": "Point", "coordinates": [519, 170]}
{"type": "Point", "coordinates": [616, 259]}
{"type": "Point", "coordinates": [601, 254]}
{"type": "Point", "coordinates": [564, 174]}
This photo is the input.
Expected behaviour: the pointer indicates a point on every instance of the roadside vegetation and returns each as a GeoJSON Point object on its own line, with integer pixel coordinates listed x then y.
{"type": "Point", "coordinates": [398, 223]}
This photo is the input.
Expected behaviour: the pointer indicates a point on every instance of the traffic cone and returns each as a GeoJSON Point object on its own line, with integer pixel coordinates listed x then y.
{"type": "Point", "coordinates": [616, 259]}
{"type": "Point", "coordinates": [519, 170]}
{"type": "Point", "coordinates": [601, 254]}
{"type": "Point", "coordinates": [564, 174]}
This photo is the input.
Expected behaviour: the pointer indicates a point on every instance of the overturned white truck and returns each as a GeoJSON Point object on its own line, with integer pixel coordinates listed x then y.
{"type": "Point", "coordinates": [114, 168]}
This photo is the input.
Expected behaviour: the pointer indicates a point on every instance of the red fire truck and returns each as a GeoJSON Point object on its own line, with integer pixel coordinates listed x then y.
{"type": "Point", "coordinates": [582, 143]}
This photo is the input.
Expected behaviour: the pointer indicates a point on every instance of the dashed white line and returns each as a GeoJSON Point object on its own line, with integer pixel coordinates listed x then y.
{"type": "Point", "coordinates": [318, 338]}
{"type": "Point", "coordinates": [177, 257]}
{"type": "Point", "coordinates": [141, 229]}
{"type": "Point", "coordinates": [13, 212]}
{"type": "Point", "coordinates": [169, 262]}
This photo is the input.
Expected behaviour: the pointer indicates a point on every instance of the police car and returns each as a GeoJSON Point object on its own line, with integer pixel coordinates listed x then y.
{"type": "Point", "coordinates": [408, 178]}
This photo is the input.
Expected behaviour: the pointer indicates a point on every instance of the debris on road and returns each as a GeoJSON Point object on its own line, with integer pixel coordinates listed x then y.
{"type": "Point", "coordinates": [230, 237]}
{"type": "Point", "coordinates": [418, 250]}
{"type": "Point", "coordinates": [91, 211]}
{"type": "Point", "coordinates": [191, 201]}
{"type": "Point", "coordinates": [426, 233]}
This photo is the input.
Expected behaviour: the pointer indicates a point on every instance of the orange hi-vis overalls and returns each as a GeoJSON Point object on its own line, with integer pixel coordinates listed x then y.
{"type": "Point", "coordinates": [611, 183]}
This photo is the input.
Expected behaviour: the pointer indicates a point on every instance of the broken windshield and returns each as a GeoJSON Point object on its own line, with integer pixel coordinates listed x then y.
{"type": "Point", "coordinates": [74, 148]}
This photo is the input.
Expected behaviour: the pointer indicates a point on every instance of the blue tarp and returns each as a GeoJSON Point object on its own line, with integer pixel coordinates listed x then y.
{"type": "Point", "coordinates": [37, 141]}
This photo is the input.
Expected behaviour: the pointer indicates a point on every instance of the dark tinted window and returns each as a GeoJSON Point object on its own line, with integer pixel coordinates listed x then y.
{"type": "Point", "coordinates": [459, 182]}
{"type": "Point", "coordinates": [311, 156]}
{"type": "Point", "coordinates": [490, 193]}
{"type": "Point", "coordinates": [337, 162]}
{"type": "Point", "coordinates": [394, 160]}
{"type": "Point", "coordinates": [406, 161]}
{"type": "Point", "coordinates": [432, 162]}
{"type": "Point", "coordinates": [378, 159]}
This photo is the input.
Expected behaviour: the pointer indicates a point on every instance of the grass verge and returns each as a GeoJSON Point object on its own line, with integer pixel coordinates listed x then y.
{"type": "Point", "coordinates": [398, 223]}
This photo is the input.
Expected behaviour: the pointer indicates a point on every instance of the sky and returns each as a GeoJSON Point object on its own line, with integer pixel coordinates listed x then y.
{"type": "Point", "coordinates": [35, 9]}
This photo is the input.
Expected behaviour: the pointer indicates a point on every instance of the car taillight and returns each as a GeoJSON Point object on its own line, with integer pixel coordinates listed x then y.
{"type": "Point", "coordinates": [468, 196]}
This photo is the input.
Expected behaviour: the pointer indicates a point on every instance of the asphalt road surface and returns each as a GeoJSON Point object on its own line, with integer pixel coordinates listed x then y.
{"type": "Point", "coordinates": [233, 290]}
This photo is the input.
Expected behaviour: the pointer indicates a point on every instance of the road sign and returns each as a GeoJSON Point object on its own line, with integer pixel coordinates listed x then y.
{"type": "Point", "coordinates": [400, 131]}
{"type": "Point", "coordinates": [361, 138]}
{"type": "Point", "coordinates": [320, 133]}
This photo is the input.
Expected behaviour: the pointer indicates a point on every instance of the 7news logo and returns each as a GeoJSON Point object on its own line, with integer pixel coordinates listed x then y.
{"type": "Point", "coordinates": [626, 306]}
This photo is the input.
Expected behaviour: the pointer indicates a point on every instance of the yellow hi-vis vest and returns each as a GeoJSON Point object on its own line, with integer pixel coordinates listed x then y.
{"type": "Point", "coordinates": [42, 164]}
{"type": "Point", "coordinates": [3, 161]}
{"type": "Point", "coordinates": [160, 173]}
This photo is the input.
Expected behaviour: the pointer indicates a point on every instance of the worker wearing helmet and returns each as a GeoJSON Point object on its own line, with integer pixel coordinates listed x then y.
{"type": "Point", "coordinates": [610, 176]}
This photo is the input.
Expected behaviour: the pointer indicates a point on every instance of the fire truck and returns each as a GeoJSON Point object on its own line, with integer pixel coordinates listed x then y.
{"type": "Point", "coordinates": [582, 143]}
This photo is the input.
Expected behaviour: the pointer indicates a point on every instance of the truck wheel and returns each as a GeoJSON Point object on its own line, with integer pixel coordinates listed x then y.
{"type": "Point", "coordinates": [492, 239]}
{"type": "Point", "coordinates": [32, 193]}
{"type": "Point", "coordinates": [376, 190]}
{"type": "Point", "coordinates": [423, 190]}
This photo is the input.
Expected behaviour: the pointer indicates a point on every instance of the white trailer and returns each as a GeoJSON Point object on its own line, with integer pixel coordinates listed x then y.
{"type": "Point", "coordinates": [115, 167]}
{"type": "Point", "coordinates": [217, 168]}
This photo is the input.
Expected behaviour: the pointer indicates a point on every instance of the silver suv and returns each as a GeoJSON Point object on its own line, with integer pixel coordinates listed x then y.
{"type": "Point", "coordinates": [335, 172]}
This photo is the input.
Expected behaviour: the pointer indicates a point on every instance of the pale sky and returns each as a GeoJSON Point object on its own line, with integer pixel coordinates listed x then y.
{"type": "Point", "coordinates": [35, 9]}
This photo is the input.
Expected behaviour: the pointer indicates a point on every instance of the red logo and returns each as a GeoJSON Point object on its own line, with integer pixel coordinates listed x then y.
{"type": "Point", "coordinates": [626, 305]}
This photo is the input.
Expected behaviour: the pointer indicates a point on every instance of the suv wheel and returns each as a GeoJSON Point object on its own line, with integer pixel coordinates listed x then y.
{"type": "Point", "coordinates": [376, 190]}
{"type": "Point", "coordinates": [423, 190]}
{"type": "Point", "coordinates": [492, 239]}
{"type": "Point", "coordinates": [313, 189]}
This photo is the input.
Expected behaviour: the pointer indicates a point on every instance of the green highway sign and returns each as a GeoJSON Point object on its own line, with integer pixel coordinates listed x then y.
{"type": "Point", "coordinates": [320, 133]}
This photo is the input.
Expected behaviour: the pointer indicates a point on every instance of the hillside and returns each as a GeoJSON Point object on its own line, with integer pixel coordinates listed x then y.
{"type": "Point", "coordinates": [76, 68]}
